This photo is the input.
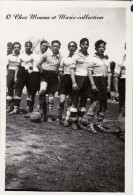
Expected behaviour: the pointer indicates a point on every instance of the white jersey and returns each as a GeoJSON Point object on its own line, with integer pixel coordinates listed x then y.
{"type": "Point", "coordinates": [65, 64]}
{"type": "Point", "coordinates": [25, 59]}
{"type": "Point", "coordinates": [80, 63]}
{"type": "Point", "coordinates": [99, 67]}
{"type": "Point", "coordinates": [34, 59]}
{"type": "Point", "coordinates": [13, 61]}
{"type": "Point", "coordinates": [120, 68]}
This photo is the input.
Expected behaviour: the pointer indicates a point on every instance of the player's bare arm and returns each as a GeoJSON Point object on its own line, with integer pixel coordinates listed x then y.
{"type": "Point", "coordinates": [74, 84]}
{"type": "Point", "coordinates": [16, 75]}
{"type": "Point", "coordinates": [109, 83]}
{"type": "Point", "coordinates": [115, 81]}
{"type": "Point", "coordinates": [93, 86]}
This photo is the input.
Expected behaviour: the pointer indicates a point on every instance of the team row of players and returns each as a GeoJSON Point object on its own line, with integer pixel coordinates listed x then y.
{"type": "Point", "coordinates": [76, 75]}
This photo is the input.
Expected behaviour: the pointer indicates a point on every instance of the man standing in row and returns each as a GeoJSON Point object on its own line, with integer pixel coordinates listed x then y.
{"type": "Point", "coordinates": [48, 67]}
{"type": "Point", "coordinates": [23, 78]}
{"type": "Point", "coordinates": [34, 85]}
{"type": "Point", "coordinates": [13, 64]}
{"type": "Point", "coordinates": [78, 70]}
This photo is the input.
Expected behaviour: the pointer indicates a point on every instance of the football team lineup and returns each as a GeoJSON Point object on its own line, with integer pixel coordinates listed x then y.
{"type": "Point", "coordinates": [76, 76]}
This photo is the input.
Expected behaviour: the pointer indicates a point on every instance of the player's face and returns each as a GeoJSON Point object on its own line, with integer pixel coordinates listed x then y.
{"type": "Point", "coordinates": [16, 49]}
{"type": "Point", "coordinates": [84, 46]}
{"type": "Point", "coordinates": [72, 48]}
{"type": "Point", "coordinates": [9, 50]}
{"type": "Point", "coordinates": [28, 47]}
{"type": "Point", "coordinates": [55, 48]}
{"type": "Point", "coordinates": [44, 47]}
{"type": "Point", "coordinates": [101, 48]}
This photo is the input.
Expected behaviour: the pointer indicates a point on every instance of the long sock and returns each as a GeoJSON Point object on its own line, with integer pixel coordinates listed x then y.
{"type": "Point", "coordinates": [90, 119]}
{"type": "Point", "coordinates": [60, 110]}
{"type": "Point", "coordinates": [73, 114]}
{"type": "Point", "coordinates": [50, 106]}
{"type": "Point", "coordinates": [17, 103]}
{"type": "Point", "coordinates": [67, 113]}
{"type": "Point", "coordinates": [8, 101]}
{"type": "Point", "coordinates": [81, 112]}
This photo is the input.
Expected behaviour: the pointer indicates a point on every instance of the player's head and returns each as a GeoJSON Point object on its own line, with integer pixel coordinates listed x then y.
{"type": "Point", "coordinates": [84, 44]}
{"type": "Point", "coordinates": [28, 47]}
{"type": "Point", "coordinates": [16, 48]}
{"type": "Point", "coordinates": [100, 47]}
{"type": "Point", "coordinates": [9, 48]}
{"type": "Point", "coordinates": [72, 46]}
{"type": "Point", "coordinates": [55, 46]}
{"type": "Point", "coordinates": [43, 46]}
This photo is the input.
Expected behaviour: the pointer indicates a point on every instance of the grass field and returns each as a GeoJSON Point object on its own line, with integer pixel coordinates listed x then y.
{"type": "Point", "coordinates": [47, 157]}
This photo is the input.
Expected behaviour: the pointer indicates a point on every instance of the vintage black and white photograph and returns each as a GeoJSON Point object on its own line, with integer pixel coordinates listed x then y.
{"type": "Point", "coordinates": [65, 96]}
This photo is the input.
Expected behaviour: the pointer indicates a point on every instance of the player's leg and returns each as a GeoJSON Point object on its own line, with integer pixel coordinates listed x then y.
{"type": "Point", "coordinates": [42, 98]}
{"type": "Point", "coordinates": [73, 109]}
{"type": "Point", "coordinates": [82, 102]}
{"type": "Point", "coordinates": [10, 88]}
{"type": "Point", "coordinates": [121, 116]}
{"type": "Point", "coordinates": [81, 110]}
{"type": "Point", "coordinates": [90, 115]}
{"type": "Point", "coordinates": [27, 84]}
{"type": "Point", "coordinates": [80, 80]}
{"type": "Point", "coordinates": [50, 105]}
{"type": "Point", "coordinates": [101, 115]}
{"type": "Point", "coordinates": [53, 84]}
{"type": "Point", "coordinates": [18, 90]}
{"type": "Point", "coordinates": [65, 88]}
{"type": "Point", "coordinates": [62, 99]}
{"type": "Point", "coordinates": [101, 83]}
{"type": "Point", "coordinates": [67, 116]}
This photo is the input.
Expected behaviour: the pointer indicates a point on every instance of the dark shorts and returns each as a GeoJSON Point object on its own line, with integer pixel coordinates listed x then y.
{"type": "Point", "coordinates": [65, 86]}
{"type": "Point", "coordinates": [23, 80]}
{"type": "Point", "coordinates": [81, 93]}
{"type": "Point", "coordinates": [121, 87]}
{"type": "Point", "coordinates": [51, 78]}
{"type": "Point", "coordinates": [10, 82]}
{"type": "Point", "coordinates": [82, 82]}
{"type": "Point", "coordinates": [101, 84]}
{"type": "Point", "coordinates": [34, 83]}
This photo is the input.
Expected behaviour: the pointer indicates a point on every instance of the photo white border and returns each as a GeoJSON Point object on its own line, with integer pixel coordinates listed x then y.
{"type": "Point", "coordinates": [129, 92]}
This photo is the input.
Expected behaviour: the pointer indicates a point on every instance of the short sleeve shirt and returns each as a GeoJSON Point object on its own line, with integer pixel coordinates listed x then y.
{"type": "Point", "coordinates": [13, 61]}
{"type": "Point", "coordinates": [25, 58]}
{"type": "Point", "coordinates": [80, 63]}
{"type": "Point", "coordinates": [120, 68]}
{"type": "Point", "coordinates": [51, 61]}
{"type": "Point", "coordinates": [99, 67]}
{"type": "Point", "coordinates": [65, 64]}
{"type": "Point", "coordinates": [34, 59]}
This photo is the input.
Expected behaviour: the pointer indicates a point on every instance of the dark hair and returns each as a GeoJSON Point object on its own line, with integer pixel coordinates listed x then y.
{"type": "Point", "coordinates": [99, 42]}
{"type": "Point", "coordinates": [43, 41]}
{"type": "Point", "coordinates": [72, 42]}
{"type": "Point", "coordinates": [16, 43]}
{"type": "Point", "coordinates": [28, 42]}
{"type": "Point", "coordinates": [83, 40]}
{"type": "Point", "coordinates": [9, 44]}
{"type": "Point", "coordinates": [56, 41]}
